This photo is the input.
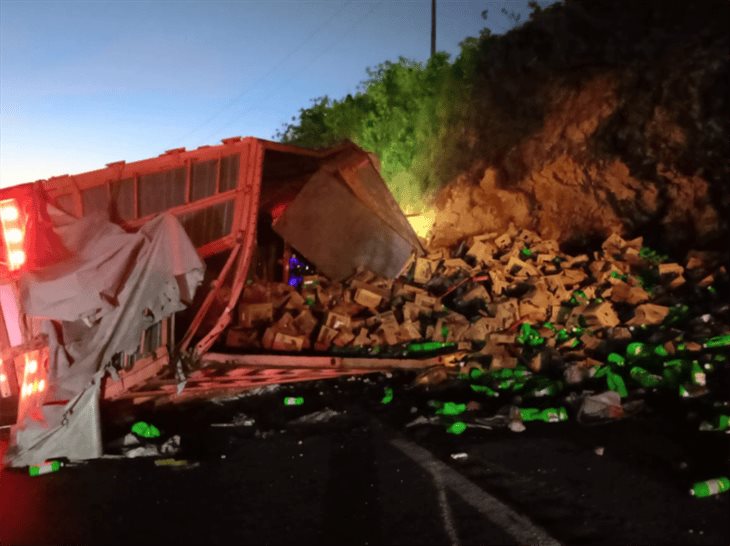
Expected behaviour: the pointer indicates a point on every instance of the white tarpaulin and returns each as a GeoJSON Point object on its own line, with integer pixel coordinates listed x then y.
{"type": "Point", "coordinates": [97, 303]}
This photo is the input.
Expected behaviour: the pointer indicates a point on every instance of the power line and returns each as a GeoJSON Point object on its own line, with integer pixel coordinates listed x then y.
{"type": "Point", "coordinates": [271, 71]}
{"type": "Point", "coordinates": [325, 50]}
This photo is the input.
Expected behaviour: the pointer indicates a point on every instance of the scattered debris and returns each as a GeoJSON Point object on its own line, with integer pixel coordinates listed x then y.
{"type": "Point", "coordinates": [423, 420]}
{"type": "Point", "coordinates": [238, 420]}
{"type": "Point", "coordinates": [601, 407]}
{"type": "Point", "coordinates": [171, 446]}
{"type": "Point", "coordinates": [176, 463]}
{"type": "Point", "coordinates": [517, 426]}
{"type": "Point", "coordinates": [133, 448]}
{"type": "Point", "coordinates": [459, 456]}
{"type": "Point", "coordinates": [147, 450]}
{"type": "Point", "coordinates": [317, 417]}
{"type": "Point", "coordinates": [720, 423]}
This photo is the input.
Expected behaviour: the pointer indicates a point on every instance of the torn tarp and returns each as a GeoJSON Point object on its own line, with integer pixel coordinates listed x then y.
{"type": "Point", "coordinates": [97, 304]}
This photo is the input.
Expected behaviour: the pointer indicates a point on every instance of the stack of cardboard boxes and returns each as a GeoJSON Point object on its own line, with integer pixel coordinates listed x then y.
{"type": "Point", "coordinates": [476, 295]}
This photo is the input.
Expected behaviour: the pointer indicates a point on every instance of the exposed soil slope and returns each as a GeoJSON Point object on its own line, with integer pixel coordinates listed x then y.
{"type": "Point", "coordinates": [597, 116]}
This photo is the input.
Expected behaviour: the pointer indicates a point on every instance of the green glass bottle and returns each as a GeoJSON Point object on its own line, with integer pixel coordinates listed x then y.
{"type": "Point", "coordinates": [451, 408]}
{"type": "Point", "coordinates": [698, 374]}
{"type": "Point", "coordinates": [637, 349]}
{"type": "Point", "coordinates": [711, 487]}
{"type": "Point", "coordinates": [717, 342]}
{"type": "Point", "coordinates": [548, 415]}
{"type": "Point", "coordinates": [484, 390]}
{"type": "Point", "coordinates": [46, 468]}
{"type": "Point", "coordinates": [644, 378]}
{"type": "Point", "coordinates": [429, 346]}
{"type": "Point", "coordinates": [145, 430]}
{"type": "Point", "coordinates": [616, 383]}
{"type": "Point", "coordinates": [617, 359]}
{"type": "Point", "coordinates": [457, 428]}
{"type": "Point", "coordinates": [547, 388]}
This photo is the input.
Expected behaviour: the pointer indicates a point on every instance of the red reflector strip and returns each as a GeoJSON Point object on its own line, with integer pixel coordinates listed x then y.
{"type": "Point", "coordinates": [4, 383]}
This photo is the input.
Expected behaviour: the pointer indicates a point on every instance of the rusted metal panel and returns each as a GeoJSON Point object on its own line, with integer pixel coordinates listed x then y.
{"type": "Point", "coordinates": [359, 172]}
{"type": "Point", "coordinates": [338, 233]}
{"type": "Point", "coordinates": [319, 361]}
{"type": "Point", "coordinates": [142, 371]}
{"type": "Point", "coordinates": [202, 386]}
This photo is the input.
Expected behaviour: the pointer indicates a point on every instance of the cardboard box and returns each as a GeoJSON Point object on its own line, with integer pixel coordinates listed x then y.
{"type": "Point", "coordinates": [256, 313]}
{"type": "Point", "coordinates": [499, 283]}
{"type": "Point", "coordinates": [572, 277]}
{"type": "Point", "coordinates": [600, 315]}
{"type": "Point", "coordinates": [337, 321]}
{"type": "Point", "coordinates": [368, 299]}
{"type": "Point", "coordinates": [503, 242]}
{"type": "Point", "coordinates": [520, 268]}
{"type": "Point", "coordinates": [424, 301]}
{"type": "Point", "coordinates": [284, 342]}
{"type": "Point", "coordinates": [324, 338]}
{"type": "Point", "coordinates": [411, 311]}
{"type": "Point", "coordinates": [362, 339]}
{"type": "Point", "coordinates": [344, 338]}
{"type": "Point", "coordinates": [409, 331]}
{"type": "Point", "coordinates": [305, 322]}
{"type": "Point", "coordinates": [481, 251]}
{"type": "Point", "coordinates": [424, 270]}
{"type": "Point", "coordinates": [625, 293]}
{"type": "Point", "coordinates": [242, 338]}
{"type": "Point", "coordinates": [649, 313]}
{"type": "Point", "coordinates": [295, 302]}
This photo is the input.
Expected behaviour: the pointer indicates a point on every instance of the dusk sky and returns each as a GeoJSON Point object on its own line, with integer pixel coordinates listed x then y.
{"type": "Point", "coordinates": [86, 83]}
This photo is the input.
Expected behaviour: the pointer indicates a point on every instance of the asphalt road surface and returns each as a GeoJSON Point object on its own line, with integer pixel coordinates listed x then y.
{"type": "Point", "coordinates": [345, 469]}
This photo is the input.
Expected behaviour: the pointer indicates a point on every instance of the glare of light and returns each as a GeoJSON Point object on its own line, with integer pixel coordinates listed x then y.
{"type": "Point", "coordinates": [31, 366]}
{"type": "Point", "coordinates": [14, 236]}
{"type": "Point", "coordinates": [3, 378]}
{"type": "Point", "coordinates": [9, 213]}
{"type": "Point", "coordinates": [41, 385]}
{"type": "Point", "coordinates": [16, 258]}
{"type": "Point", "coordinates": [422, 223]}
{"type": "Point", "coordinates": [24, 390]}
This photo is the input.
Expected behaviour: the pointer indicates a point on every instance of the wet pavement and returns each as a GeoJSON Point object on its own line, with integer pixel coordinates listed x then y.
{"type": "Point", "coordinates": [362, 477]}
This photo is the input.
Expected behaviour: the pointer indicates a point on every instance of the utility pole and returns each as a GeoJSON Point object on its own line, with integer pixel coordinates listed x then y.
{"type": "Point", "coordinates": [433, 27]}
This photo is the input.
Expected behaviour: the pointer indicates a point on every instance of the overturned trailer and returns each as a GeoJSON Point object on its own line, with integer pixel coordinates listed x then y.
{"type": "Point", "coordinates": [118, 283]}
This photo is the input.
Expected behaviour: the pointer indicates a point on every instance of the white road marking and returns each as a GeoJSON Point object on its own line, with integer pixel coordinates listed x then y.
{"type": "Point", "coordinates": [516, 525]}
{"type": "Point", "coordinates": [446, 514]}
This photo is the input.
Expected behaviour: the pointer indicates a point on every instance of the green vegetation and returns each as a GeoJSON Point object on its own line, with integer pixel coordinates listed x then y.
{"type": "Point", "coordinates": [402, 112]}
{"type": "Point", "coordinates": [396, 114]}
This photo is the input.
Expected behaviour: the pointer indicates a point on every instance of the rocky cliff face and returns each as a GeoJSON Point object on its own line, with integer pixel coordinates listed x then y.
{"type": "Point", "coordinates": [598, 116]}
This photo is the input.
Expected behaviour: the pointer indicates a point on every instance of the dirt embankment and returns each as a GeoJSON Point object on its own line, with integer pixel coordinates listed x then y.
{"type": "Point", "coordinates": [599, 117]}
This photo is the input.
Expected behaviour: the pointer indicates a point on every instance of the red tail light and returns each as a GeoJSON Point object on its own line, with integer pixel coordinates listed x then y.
{"type": "Point", "coordinates": [32, 390]}
{"type": "Point", "coordinates": [13, 234]}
